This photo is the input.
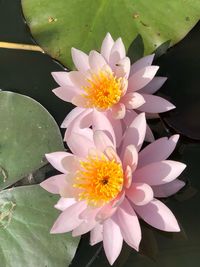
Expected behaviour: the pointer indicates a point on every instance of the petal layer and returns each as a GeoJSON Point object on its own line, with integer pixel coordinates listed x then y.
{"type": "Point", "coordinates": [141, 78]}
{"type": "Point", "coordinates": [112, 240]}
{"type": "Point", "coordinates": [159, 150]}
{"type": "Point", "coordinates": [158, 215]}
{"type": "Point", "coordinates": [68, 219]}
{"type": "Point", "coordinates": [129, 224]}
{"type": "Point", "coordinates": [169, 189]}
{"type": "Point", "coordinates": [155, 104]}
{"type": "Point", "coordinates": [158, 173]}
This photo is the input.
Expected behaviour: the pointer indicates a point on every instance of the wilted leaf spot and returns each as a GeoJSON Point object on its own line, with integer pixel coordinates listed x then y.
{"type": "Point", "coordinates": [3, 174]}
{"type": "Point", "coordinates": [136, 15]}
{"type": "Point", "coordinates": [51, 19]}
{"type": "Point", "coordinates": [6, 212]}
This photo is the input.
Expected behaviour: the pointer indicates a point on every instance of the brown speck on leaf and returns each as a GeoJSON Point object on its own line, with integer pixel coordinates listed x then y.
{"type": "Point", "coordinates": [136, 15]}
{"type": "Point", "coordinates": [187, 19]}
{"type": "Point", "coordinates": [144, 24]}
{"type": "Point", "coordinates": [57, 53]}
{"type": "Point", "coordinates": [51, 19]}
{"type": "Point", "coordinates": [158, 33]}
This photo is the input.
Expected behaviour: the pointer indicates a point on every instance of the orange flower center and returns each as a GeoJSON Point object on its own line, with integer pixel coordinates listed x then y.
{"type": "Point", "coordinates": [104, 90]}
{"type": "Point", "coordinates": [100, 179]}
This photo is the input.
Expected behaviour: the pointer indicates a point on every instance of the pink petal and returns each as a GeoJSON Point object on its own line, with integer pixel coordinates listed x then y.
{"type": "Point", "coordinates": [68, 219]}
{"type": "Point", "coordinates": [62, 78]}
{"type": "Point", "coordinates": [89, 212]}
{"type": "Point", "coordinates": [140, 193]}
{"type": "Point", "coordinates": [122, 68]}
{"type": "Point", "coordinates": [106, 212]}
{"type": "Point", "coordinates": [64, 203]}
{"type": "Point", "coordinates": [79, 144]}
{"type": "Point", "coordinates": [133, 100]}
{"type": "Point", "coordinates": [80, 59]}
{"type": "Point", "coordinates": [106, 46]}
{"type": "Point", "coordinates": [158, 215]}
{"type": "Point", "coordinates": [71, 163]}
{"type": "Point", "coordinates": [66, 93]}
{"type": "Point", "coordinates": [141, 78]}
{"type": "Point", "coordinates": [71, 116]}
{"type": "Point", "coordinates": [102, 141]}
{"type": "Point", "coordinates": [81, 125]}
{"type": "Point", "coordinates": [54, 183]}
{"type": "Point", "coordinates": [78, 78]}
{"type": "Point", "coordinates": [169, 189]}
{"type": "Point", "coordinates": [118, 200]}
{"type": "Point", "coordinates": [80, 101]}
{"type": "Point", "coordinates": [154, 85]}
{"type": "Point", "coordinates": [69, 191]}
{"type": "Point", "coordinates": [101, 122]}
{"type": "Point", "coordinates": [112, 240]}
{"type": "Point", "coordinates": [130, 157]}
{"type": "Point", "coordinates": [96, 60]}
{"type": "Point", "coordinates": [155, 104]}
{"type": "Point", "coordinates": [117, 53]}
{"type": "Point", "coordinates": [55, 159]}
{"type": "Point", "coordinates": [129, 117]}
{"type": "Point", "coordinates": [86, 225]}
{"type": "Point", "coordinates": [129, 224]}
{"type": "Point", "coordinates": [96, 234]}
{"type": "Point", "coordinates": [117, 126]}
{"type": "Point", "coordinates": [127, 176]}
{"type": "Point", "coordinates": [157, 173]}
{"type": "Point", "coordinates": [159, 150]}
{"type": "Point", "coordinates": [135, 134]}
{"type": "Point", "coordinates": [141, 63]}
{"type": "Point", "coordinates": [118, 111]}
{"type": "Point", "coordinates": [111, 154]}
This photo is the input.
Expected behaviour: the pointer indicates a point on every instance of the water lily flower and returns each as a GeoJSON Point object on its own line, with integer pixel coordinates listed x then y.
{"type": "Point", "coordinates": [104, 189]}
{"type": "Point", "coordinates": [108, 83]}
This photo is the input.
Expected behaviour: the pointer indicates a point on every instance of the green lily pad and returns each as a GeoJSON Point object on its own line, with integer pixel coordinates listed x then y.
{"type": "Point", "coordinates": [59, 25]}
{"type": "Point", "coordinates": [26, 217]}
{"type": "Point", "coordinates": [27, 132]}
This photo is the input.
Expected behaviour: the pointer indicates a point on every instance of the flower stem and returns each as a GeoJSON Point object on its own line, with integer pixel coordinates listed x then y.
{"type": "Point", "coordinates": [21, 46]}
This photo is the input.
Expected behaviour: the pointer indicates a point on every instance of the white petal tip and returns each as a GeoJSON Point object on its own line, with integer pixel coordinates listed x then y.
{"type": "Point", "coordinates": [53, 231]}
{"type": "Point", "coordinates": [171, 107]}
{"type": "Point", "coordinates": [176, 229]}
{"type": "Point", "coordinates": [55, 92]}
{"type": "Point", "coordinates": [183, 166]}
{"type": "Point", "coordinates": [108, 35]}
{"type": "Point", "coordinates": [175, 137]}
{"type": "Point", "coordinates": [73, 50]}
{"type": "Point", "coordinates": [181, 184]}
{"type": "Point", "coordinates": [74, 234]}
{"type": "Point", "coordinates": [142, 115]}
{"type": "Point", "coordinates": [42, 184]}
{"type": "Point", "coordinates": [48, 155]}
{"type": "Point", "coordinates": [53, 73]}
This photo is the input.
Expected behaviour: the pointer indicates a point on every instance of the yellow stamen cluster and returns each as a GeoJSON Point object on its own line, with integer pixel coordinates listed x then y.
{"type": "Point", "coordinates": [104, 90]}
{"type": "Point", "coordinates": [99, 179]}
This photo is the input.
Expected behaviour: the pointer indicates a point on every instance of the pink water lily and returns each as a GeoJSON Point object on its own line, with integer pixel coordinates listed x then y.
{"type": "Point", "coordinates": [104, 189]}
{"type": "Point", "coordinates": [108, 83]}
